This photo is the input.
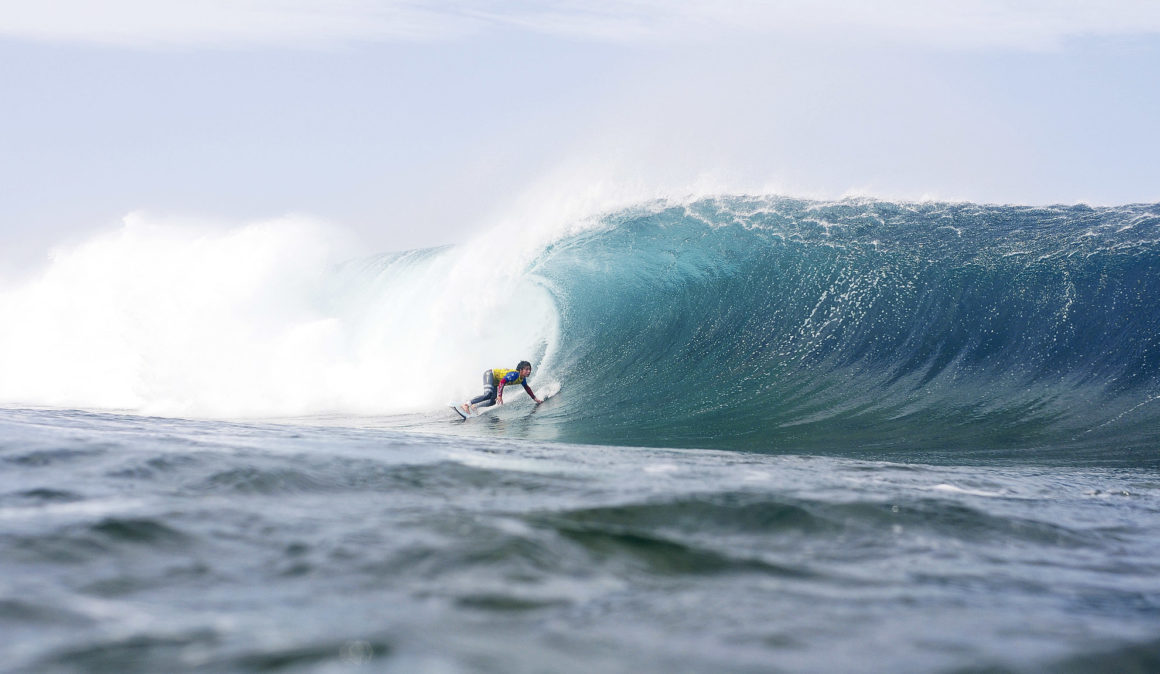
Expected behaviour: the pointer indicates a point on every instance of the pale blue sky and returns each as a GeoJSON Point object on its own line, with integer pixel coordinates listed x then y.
{"type": "Point", "coordinates": [414, 126]}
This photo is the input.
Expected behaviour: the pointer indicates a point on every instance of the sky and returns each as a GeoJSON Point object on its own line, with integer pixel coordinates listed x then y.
{"type": "Point", "coordinates": [413, 124]}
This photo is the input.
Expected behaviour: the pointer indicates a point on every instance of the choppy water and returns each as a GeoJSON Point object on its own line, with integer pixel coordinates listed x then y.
{"type": "Point", "coordinates": [783, 436]}
{"type": "Point", "coordinates": [135, 544]}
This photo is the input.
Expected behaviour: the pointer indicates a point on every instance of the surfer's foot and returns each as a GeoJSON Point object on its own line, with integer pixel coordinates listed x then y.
{"type": "Point", "coordinates": [466, 408]}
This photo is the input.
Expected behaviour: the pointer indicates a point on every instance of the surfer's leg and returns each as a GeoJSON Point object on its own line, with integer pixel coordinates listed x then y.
{"type": "Point", "coordinates": [485, 400]}
{"type": "Point", "coordinates": [488, 397]}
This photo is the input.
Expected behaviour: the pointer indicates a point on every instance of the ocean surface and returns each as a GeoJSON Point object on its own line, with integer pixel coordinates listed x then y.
{"type": "Point", "coordinates": [779, 435]}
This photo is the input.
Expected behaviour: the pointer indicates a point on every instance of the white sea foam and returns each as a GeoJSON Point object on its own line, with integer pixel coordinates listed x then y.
{"type": "Point", "coordinates": [952, 489]}
{"type": "Point", "coordinates": [261, 319]}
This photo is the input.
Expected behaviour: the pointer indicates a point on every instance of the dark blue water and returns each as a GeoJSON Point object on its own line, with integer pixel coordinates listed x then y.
{"type": "Point", "coordinates": [784, 436]}
{"type": "Point", "coordinates": [134, 544]}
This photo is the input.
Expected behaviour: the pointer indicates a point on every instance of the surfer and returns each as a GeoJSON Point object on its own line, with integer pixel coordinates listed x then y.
{"type": "Point", "coordinates": [493, 382]}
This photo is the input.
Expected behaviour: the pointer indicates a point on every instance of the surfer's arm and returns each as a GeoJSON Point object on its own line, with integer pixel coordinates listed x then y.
{"type": "Point", "coordinates": [499, 391]}
{"type": "Point", "coordinates": [531, 395]}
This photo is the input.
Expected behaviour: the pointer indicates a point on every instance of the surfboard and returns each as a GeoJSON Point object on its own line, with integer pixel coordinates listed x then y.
{"type": "Point", "coordinates": [480, 411]}
{"type": "Point", "coordinates": [477, 412]}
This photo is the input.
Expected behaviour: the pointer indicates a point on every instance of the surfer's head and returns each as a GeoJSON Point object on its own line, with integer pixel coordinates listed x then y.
{"type": "Point", "coordinates": [524, 368]}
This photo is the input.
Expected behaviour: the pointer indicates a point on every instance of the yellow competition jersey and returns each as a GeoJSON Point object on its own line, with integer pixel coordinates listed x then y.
{"type": "Point", "coordinates": [506, 376]}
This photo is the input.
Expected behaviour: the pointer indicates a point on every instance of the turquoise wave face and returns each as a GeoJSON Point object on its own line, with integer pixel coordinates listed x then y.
{"type": "Point", "coordinates": [781, 325]}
